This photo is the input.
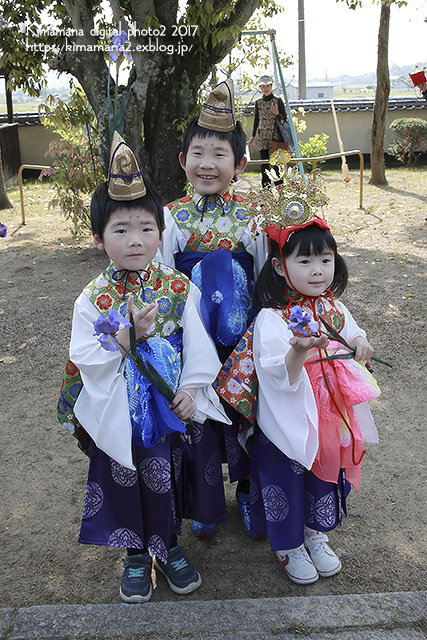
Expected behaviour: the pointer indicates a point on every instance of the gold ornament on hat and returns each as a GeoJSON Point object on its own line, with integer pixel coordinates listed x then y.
{"type": "Point", "coordinates": [125, 181]}
{"type": "Point", "coordinates": [293, 203]}
{"type": "Point", "coordinates": [217, 113]}
{"type": "Point", "coordinates": [279, 157]}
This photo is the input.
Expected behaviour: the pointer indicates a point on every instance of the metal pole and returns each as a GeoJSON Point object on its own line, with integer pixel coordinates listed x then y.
{"type": "Point", "coordinates": [21, 190]}
{"type": "Point", "coordinates": [302, 86]}
{"type": "Point", "coordinates": [275, 73]}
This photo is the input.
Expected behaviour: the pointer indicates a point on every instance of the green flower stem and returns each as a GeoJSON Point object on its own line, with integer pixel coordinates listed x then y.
{"type": "Point", "coordinates": [347, 356]}
{"type": "Point", "coordinates": [116, 91]}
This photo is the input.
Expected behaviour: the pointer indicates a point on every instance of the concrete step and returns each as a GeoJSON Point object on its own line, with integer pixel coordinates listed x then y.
{"type": "Point", "coordinates": [387, 616]}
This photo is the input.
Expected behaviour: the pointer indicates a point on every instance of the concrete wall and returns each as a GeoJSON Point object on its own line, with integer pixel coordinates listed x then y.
{"type": "Point", "coordinates": [34, 141]}
{"type": "Point", "coordinates": [355, 125]}
{"type": "Point", "coordinates": [355, 128]}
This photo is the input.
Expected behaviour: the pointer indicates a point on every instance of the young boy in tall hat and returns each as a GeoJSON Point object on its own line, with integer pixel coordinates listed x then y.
{"type": "Point", "coordinates": [139, 485]}
{"type": "Point", "coordinates": [208, 238]}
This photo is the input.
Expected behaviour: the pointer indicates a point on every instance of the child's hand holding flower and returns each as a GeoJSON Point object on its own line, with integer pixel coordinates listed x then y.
{"type": "Point", "coordinates": [143, 319]}
{"type": "Point", "coordinates": [111, 324]}
{"type": "Point", "coordinates": [183, 404]}
{"type": "Point", "coordinates": [306, 336]}
{"type": "Point", "coordinates": [301, 345]}
{"type": "Point", "coordinates": [364, 351]}
{"type": "Point", "coordinates": [107, 326]}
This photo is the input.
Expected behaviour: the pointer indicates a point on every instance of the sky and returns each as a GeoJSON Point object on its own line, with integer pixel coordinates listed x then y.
{"type": "Point", "coordinates": [341, 41]}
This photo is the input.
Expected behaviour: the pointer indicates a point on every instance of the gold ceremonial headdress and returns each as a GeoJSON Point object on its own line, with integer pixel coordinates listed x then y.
{"type": "Point", "coordinates": [217, 113]}
{"type": "Point", "coordinates": [280, 210]}
{"type": "Point", "coordinates": [125, 179]}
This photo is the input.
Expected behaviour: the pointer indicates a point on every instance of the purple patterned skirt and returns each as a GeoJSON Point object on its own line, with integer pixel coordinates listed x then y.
{"type": "Point", "coordinates": [145, 507]}
{"type": "Point", "coordinates": [285, 497]}
{"type": "Point", "coordinates": [229, 447]}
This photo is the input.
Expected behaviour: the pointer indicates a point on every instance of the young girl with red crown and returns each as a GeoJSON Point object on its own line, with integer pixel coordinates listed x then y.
{"type": "Point", "coordinates": [309, 414]}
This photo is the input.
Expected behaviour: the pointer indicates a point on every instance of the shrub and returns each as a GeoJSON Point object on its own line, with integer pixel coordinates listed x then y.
{"type": "Point", "coordinates": [315, 147]}
{"type": "Point", "coordinates": [76, 170]}
{"type": "Point", "coordinates": [411, 139]}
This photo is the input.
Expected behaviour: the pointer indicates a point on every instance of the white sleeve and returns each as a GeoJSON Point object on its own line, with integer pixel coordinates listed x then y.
{"type": "Point", "coordinates": [200, 361]}
{"type": "Point", "coordinates": [286, 413]}
{"type": "Point", "coordinates": [351, 329]}
{"type": "Point", "coordinates": [102, 405]}
{"type": "Point", "coordinates": [257, 247]}
{"type": "Point", "coordinates": [173, 240]}
{"type": "Point", "coordinates": [169, 244]}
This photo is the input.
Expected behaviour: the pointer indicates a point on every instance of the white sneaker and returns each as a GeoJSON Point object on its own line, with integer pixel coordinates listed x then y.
{"type": "Point", "coordinates": [298, 566]}
{"type": "Point", "coordinates": [324, 559]}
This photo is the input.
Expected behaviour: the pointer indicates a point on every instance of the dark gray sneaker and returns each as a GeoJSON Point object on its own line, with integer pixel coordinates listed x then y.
{"type": "Point", "coordinates": [136, 579]}
{"type": "Point", "coordinates": [182, 577]}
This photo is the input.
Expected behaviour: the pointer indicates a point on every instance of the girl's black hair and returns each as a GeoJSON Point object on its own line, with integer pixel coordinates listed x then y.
{"type": "Point", "coordinates": [272, 290]}
{"type": "Point", "coordinates": [236, 138]}
{"type": "Point", "coordinates": [102, 207]}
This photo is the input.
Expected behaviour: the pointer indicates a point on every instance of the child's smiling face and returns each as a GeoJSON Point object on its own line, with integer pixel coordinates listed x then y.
{"type": "Point", "coordinates": [130, 239]}
{"type": "Point", "coordinates": [210, 165]}
{"type": "Point", "coordinates": [309, 275]}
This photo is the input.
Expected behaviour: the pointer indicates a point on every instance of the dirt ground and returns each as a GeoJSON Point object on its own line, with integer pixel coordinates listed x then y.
{"type": "Point", "coordinates": [382, 542]}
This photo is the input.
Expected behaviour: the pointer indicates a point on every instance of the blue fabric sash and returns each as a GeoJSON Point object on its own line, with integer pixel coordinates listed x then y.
{"type": "Point", "coordinates": [225, 287]}
{"type": "Point", "coordinates": [151, 417]}
{"type": "Point", "coordinates": [185, 261]}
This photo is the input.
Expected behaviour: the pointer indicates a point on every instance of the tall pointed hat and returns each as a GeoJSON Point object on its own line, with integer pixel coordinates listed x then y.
{"type": "Point", "coordinates": [218, 113]}
{"type": "Point", "coordinates": [125, 179]}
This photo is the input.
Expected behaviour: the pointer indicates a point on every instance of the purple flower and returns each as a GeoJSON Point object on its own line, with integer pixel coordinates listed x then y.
{"type": "Point", "coordinates": [301, 322]}
{"type": "Point", "coordinates": [3, 230]}
{"type": "Point", "coordinates": [107, 342]}
{"type": "Point", "coordinates": [108, 324]}
{"type": "Point", "coordinates": [119, 46]}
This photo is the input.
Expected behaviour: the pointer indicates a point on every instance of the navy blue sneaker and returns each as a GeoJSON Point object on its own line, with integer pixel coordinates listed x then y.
{"type": "Point", "coordinates": [202, 530]}
{"type": "Point", "coordinates": [136, 578]}
{"type": "Point", "coordinates": [244, 503]}
{"type": "Point", "coordinates": [182, 577]}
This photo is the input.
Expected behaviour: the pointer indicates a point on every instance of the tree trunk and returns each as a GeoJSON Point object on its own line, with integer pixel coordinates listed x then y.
{"type": "Point", "coordinates": [381, 100]}
{"type": "Point", "coordinates": [4, 200]}
{"type": "Point", "coordinates": [163, 85]}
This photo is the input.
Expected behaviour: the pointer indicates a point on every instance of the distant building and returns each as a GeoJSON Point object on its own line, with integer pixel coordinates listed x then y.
{"type": "Point", "coordinates": [400, 83]}
{"type": "Point", "coordinates": [314, 91]}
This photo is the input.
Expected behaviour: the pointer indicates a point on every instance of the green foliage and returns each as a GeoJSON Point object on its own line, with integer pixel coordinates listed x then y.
{"type": "Point", "coordinates": [254, 48]}
{"type": "Point", "coordinates": [76, 169]}
{"type": "Point", "coordinates": [355, 4]}
{"type": "Point", "coordinates": [298, 119]}
{"type": "Point", "coordinates": [411, 140]}
{"type": "Point", "coordinates": [27, 43]}
{"type": "Point", "coordinates": [315, 147]}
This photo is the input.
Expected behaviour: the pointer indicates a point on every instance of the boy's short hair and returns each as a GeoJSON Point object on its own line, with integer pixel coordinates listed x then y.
{"type": "Point", "coordinates": [102, 207]}
{"type": "Point", "coordinates": [236, 138]}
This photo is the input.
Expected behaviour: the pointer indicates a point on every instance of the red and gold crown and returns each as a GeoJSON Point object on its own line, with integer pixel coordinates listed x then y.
{"type": "Point", "coordinates": [290, 206]}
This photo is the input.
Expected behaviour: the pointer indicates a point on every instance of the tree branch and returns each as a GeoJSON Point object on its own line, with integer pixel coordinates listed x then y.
{"type": "Point", "coordinates": [241, 14]}
{"type": "Point", "coordinates": [140, 11]}
{"type": "Point", "coordinates": [166, 12]}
